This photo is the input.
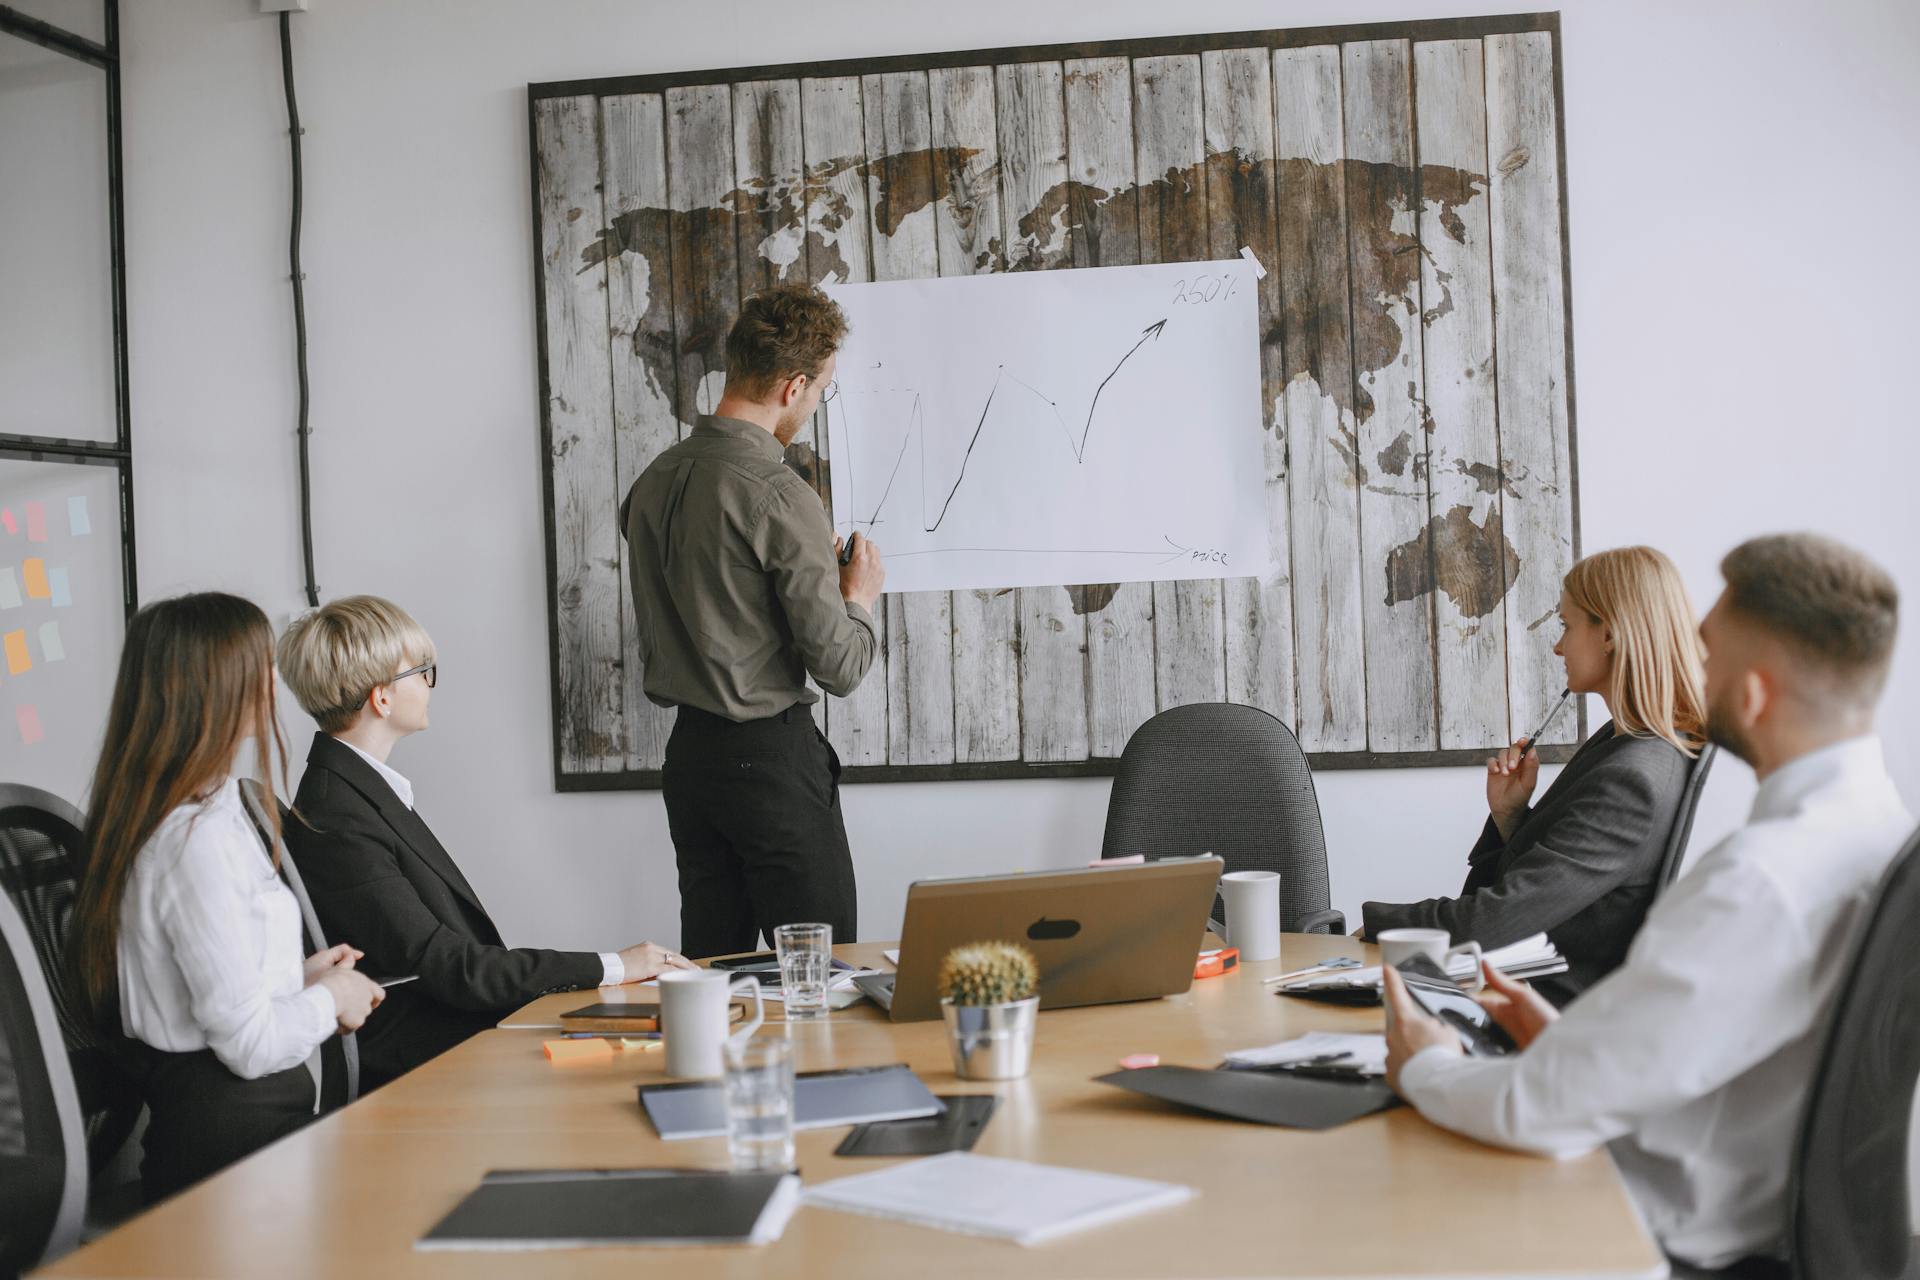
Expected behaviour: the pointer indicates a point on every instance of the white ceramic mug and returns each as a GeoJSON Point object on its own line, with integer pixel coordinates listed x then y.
{"type": "Point", "coordinates": [693, 1019]}
{"type": "Point", "coordinates": [1397, 945]}
{"type": "Point", "coordinates": [1253, 913]}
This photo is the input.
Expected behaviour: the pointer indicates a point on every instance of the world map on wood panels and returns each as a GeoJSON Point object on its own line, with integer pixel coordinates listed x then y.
{"type": "Point", "coordinates": [1404, 196]}
{"type": "Point", "coordinates": [803, 216]}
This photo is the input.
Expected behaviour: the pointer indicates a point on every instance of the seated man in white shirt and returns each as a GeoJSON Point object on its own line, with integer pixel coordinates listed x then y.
{"type": "Point", "coordinates": [1693, 1059]}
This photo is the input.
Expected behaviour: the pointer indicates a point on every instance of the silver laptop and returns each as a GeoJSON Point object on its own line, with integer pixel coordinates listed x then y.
{"type": "Point", "coordinates": [1100, 934]}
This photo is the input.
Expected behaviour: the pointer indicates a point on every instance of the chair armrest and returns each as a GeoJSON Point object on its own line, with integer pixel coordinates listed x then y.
{"type": "Point", "coordinates": [1330, 921]}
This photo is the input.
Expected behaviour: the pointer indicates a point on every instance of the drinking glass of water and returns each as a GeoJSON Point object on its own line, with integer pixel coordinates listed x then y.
{"type": "Point", "coordinates": [806, 960]}
{"type": "Point", "coordinates": [759, 1088]}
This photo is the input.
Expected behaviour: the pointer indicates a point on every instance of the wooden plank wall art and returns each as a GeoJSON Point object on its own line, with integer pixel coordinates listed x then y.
{"type": "Point", "coordinates": [1404, 186]}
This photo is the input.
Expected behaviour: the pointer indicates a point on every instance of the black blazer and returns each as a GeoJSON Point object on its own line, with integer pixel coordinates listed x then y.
{"type": "Point", "coordinates": [1583, 865]}
{"type": "Point", "coordinates": [380, 881]}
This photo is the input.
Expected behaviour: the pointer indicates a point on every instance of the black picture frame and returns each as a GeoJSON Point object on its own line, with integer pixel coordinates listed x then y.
{"type": "Point", "coordinates": [1461, 28]}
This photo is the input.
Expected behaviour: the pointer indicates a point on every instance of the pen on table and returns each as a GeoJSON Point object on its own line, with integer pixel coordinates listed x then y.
{"type": "Point", "coordinates": [1551, 713]}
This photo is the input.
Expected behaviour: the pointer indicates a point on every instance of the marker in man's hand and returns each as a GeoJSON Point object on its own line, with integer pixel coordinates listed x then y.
{"type": "Point", "coordinates": [846, 549]}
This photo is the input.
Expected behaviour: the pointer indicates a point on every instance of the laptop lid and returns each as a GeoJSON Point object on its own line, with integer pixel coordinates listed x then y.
{"type": "Point", "coordinates": [1100, 934]}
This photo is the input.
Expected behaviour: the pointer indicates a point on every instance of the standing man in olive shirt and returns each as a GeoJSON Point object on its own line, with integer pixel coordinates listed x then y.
{"type": "Point", "coordinates": [740, 597]}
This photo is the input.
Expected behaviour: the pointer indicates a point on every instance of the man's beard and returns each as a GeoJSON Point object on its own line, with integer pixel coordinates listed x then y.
{"type": "Point", "coordinates": [1722, 732]}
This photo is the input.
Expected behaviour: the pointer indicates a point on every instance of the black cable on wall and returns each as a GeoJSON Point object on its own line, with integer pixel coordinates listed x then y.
{"type": "Point", "coordinates": [299, 309]}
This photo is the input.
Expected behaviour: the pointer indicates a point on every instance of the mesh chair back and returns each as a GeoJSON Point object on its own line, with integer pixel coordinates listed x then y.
{"type": "Point", "coordinates": [1676, 851]}
{"type": "Point", "coordinates": [1848, 1198]}
{"type": "Point", "coordinates": [1218, 777]}
{"type": "Point", "coordinates": [41, 851]}
{"type": "Point", "coordinates": [43, 1155]}
{"type": "Point", "coordinates": [339, 1056]}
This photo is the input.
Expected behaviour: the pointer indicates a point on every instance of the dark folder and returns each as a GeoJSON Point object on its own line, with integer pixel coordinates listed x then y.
{"type": "Point", "coordinates": [577, 1208]}
{"type": "Point", "coordinates": [1260, 1096]}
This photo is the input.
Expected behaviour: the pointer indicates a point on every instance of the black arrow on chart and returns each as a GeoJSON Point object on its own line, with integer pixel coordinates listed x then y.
{"type": "Point", "coordinates": [1151, 331]}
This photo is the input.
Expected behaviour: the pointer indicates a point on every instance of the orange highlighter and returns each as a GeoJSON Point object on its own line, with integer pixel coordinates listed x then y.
{"type": "Point", "coordinates": [1212, 964]}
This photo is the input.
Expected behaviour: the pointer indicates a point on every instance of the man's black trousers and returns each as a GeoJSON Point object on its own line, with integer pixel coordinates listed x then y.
{"type": "Point", "coordinates": [754, 808]}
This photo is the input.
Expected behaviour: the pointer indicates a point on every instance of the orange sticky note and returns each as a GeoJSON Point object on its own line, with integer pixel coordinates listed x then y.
{"type": "Point", "coordinates": [18, 659]}
{"type": "Point", "coordinates": [34, 572]}
{"type": "Point", "coordinates": [559, 1051]}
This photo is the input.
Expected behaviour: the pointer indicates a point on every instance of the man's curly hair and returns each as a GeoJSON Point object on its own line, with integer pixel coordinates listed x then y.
{"type": "Point", "coordinates": [783, 331]}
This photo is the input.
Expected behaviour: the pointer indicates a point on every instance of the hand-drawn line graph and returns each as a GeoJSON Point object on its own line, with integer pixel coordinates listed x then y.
{"type": "Point", "coordinates": [1018, 429]}
{"type": "Point", "coordinates": [916, 432]}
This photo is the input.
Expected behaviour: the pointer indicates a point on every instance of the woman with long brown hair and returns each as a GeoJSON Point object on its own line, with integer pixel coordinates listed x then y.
{"type": "Point", "coordinates": [184, 937]}
{"type": "Point", "coordinates": [1583, 864]}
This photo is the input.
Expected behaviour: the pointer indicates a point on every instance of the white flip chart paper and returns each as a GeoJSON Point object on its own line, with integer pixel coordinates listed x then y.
{"type": "Point", "coordinates": [1053, 427]}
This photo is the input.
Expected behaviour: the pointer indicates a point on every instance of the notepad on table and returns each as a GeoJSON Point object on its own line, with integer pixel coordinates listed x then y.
{"type": "Point", "coordinates": [987, 1196]}
{"type": "Point", "coordinates": [579, 1208]}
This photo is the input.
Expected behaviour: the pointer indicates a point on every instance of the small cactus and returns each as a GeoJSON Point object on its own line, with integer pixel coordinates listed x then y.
{"type": "Point", "coordinates": [982, 973]}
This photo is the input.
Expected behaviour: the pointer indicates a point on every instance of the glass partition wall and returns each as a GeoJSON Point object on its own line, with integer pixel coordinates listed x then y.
{"type": "Point", "coordinates": [66, 483]}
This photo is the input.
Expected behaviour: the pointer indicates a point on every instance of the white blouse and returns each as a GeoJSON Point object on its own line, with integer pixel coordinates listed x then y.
{"type": "Point", "coordinates": [211, 948]}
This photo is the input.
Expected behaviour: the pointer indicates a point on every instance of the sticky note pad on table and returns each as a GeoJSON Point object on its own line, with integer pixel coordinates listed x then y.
{"type": "Point", "coordinates": [18, 659]}
{"type": "Point", "coordinates": [77, 520]}
{"type": "Point", "coordinates": [34, 574]}
{"type": "Point", "coordinates": [9, 589]}
{"type": "Point", "coordinates": [559, 1051]}
{"type": "Point", "coordinates": [62, 593]}
{"type": "Point", "coordinates": [28, 717]}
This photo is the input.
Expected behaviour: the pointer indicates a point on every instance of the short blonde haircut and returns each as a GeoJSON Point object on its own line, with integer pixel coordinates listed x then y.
{"type": "Point", "coordinates": [1658, 686]}
{"type": "Point", "coordinates": [333, 657]}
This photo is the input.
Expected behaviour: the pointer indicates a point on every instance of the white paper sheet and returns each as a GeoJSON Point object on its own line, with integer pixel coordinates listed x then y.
{"type": "Point", "coordinates": [1053, 427]}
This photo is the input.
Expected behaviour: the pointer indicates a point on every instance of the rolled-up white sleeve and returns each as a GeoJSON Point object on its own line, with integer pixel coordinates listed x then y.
{"type": "Point", "coordinates": [1697, 1002]}
{"type": "Point", "coordinates": [205, 915]}
{"type": "Point", "coordinates": [613, 970]}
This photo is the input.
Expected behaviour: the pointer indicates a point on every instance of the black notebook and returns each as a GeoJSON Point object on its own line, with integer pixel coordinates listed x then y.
{"type": "Point", "coordinates": [1259, 1096]}
{"type": "Point", "coordinates": [582, 1208]}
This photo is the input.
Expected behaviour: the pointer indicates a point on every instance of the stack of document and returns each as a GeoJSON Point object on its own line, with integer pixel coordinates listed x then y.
{"type": "Point", "coordinates": [1363, 1054]}
{"type": "Point", "coordinates": [840, 989]}
{"type": "Point", "coordinates": [988, 1196]}
{"type": "Point", "coordinates": [1534, 957]}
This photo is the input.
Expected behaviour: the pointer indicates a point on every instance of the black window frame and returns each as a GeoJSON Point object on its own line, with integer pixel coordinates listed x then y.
{"type": "Point", "coordinates": [119, 453]}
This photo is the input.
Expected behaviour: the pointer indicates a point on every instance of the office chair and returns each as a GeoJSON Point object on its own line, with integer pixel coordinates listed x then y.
{"type": "Point", "coordinates": [43, 1154]}
{"type": "Point", "coordinates": [41, 847]}
{"type": "Point", "coordinates": [339, 1056]}
{"type": "Point", "coordinates": [1848, 1194]}
{"type": "Point", "coordinates": [1218, 777]}
{"type": "Point", "coordinates": [1676, 851]}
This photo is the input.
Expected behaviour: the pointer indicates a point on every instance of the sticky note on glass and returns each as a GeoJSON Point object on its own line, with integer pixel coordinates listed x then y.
{"type": "Point", "coordinates": [34, 571]}
{"type": "Point", "coordinates": [6, 520]}
{"type": "Point", "coordinates": [28, 717]}
{"type": "Point", "coordinates": [36, 522]}
{"type": "Point", "coordinates": [57, 582]}
{"type": "Point", "coordinates": [77, 520]}
{"type": "Point", "coordinates": [18, 659]}
{"type": "Point", "coordinates": [51, 650]}
{"type": "Point", "coordinates": [9, 589]}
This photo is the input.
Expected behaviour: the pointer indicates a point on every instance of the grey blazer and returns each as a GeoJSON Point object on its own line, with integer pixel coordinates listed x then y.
{"type": "Point", "coordinates": [1583, 864]}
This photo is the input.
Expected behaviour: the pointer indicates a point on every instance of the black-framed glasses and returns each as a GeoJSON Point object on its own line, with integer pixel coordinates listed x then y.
{"type": "Point", "coordinates": [832, 390]}
{"type": "Point", "coordinates": [431, 670]}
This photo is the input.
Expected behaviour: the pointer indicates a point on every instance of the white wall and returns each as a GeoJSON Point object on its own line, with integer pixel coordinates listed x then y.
{"type": "Point", "coordinates": [1742, 182]}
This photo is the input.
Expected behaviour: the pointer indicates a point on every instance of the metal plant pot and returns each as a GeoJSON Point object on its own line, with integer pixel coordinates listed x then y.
{"type": "Point", "coordinates": [991, 1041]}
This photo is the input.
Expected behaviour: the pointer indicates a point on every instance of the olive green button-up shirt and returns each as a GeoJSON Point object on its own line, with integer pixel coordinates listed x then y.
{"type": "Point", "coordinates": [735, 584]}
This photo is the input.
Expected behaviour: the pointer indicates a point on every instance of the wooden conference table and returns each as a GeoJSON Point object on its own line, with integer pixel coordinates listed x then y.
{"type": "Point", "coordinates": [1389, 1195]}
